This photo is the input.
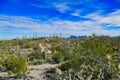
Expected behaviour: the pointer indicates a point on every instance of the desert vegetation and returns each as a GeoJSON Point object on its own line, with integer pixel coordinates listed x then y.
{"type": "Point", "coordinates": [91, 58]}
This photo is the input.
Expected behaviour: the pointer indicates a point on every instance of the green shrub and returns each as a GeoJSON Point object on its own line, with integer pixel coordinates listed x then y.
{"type": "Point", "coordinates": [58, 57]}
{"type": "Point", "coordinates": [16, 65]}
{"type": "Point", "coordinates": [2, 61]}
{"type": "Point", "coordinates": [36, 62]}
{"type": "Point", "coordinates": [35, 54]}
{"type": "Point", "coordinates": [91, 60]}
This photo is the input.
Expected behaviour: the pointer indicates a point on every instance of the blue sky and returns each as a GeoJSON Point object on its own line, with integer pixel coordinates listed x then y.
{"type": "Point", "coordinates": [66, 17]}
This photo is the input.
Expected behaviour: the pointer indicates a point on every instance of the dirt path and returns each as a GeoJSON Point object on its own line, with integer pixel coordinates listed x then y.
{"type": "Point", "coordinates": [37, 72]}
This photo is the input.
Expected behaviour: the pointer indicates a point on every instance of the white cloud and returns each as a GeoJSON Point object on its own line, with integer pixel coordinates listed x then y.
{"type": "Point", "coordinates": [18, 22]}
{"type": "Point", "coordinates": [61, 26]}
{"type": "Point", "coordinates": [62, 7]}
{"type": "Point", "coordinates": [113, 18]}
{"type": "Point", "coordinates": [76, 13]}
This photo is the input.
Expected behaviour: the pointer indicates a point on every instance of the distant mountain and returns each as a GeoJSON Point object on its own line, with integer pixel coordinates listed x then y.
{"type": "Point", "coordinates": [116, 36]}
{"type": "Point", "coordinates": [74, 37]}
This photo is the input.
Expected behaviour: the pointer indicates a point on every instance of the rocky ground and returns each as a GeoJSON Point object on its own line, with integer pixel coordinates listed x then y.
{"type": "Point", "coordinates": [37, 72]}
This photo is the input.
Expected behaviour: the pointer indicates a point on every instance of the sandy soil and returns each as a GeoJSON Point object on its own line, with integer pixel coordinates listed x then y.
{"type": "Point", "coordinates": [37, 72]}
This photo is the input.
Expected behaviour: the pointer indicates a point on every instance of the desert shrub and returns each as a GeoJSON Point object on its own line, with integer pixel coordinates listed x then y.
{"type": "Point", "coordinates": [91, 59]}
{"type": "Point", "coordinates": [58, 57]}
{"type": "Point", "coordinates": [16, 65]}
{"type": "Point", "coordinates": [94, 67]}
{"type": "Point", "coordinates": [2, 61]}
{"type": "Point", "coordinates": [36, 53]}
{"type": "Point", "coordinates": [62, 53]}
{"type": "Point", "coordinates": [36, 62]}
{"type": "Point", "coordinates": [36, 56]}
